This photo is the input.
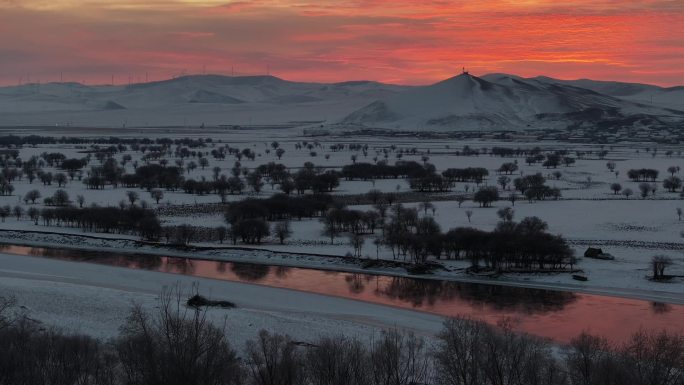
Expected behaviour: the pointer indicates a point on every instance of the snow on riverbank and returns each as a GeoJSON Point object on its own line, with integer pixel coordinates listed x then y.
{"type": "Point", "coordinates": [95, 299]}
{"type": "Point", "coordinates": [614, 278]}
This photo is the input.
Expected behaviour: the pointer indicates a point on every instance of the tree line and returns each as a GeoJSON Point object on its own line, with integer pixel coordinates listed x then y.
{"type": "Point", "coordinates": [173, 346]}
{"type": "Point", "coordinates": [33, 140]}
{"type": "Point", "coordinates": [123, 220]}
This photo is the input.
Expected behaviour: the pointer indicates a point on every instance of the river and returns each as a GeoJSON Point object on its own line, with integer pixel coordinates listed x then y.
{"type": "Point", "coordinates": [559, 315]}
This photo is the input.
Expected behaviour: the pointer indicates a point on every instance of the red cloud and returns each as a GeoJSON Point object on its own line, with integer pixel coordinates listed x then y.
{"type": "Point", "coordinates": [333, 40]}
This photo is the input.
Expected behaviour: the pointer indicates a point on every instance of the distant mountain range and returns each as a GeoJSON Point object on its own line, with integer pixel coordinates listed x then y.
{"type": "Point", "coordinates": [463, 102]}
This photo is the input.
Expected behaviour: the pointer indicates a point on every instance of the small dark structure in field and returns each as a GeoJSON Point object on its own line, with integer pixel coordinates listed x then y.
{"type": "Point", "coordinates": [579, 277]}
{"type": "Point", "coordinates": [199, 301]}
{"type": "Point", "coordinates": [596, 253]}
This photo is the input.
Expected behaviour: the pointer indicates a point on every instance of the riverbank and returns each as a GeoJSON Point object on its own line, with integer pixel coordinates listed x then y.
{"type": "Point", "coordinates": [453, 270]}
{"type": "Point", "coordinates": [92, 292]}
{"type": "Point", "coordinates": [96, 299]}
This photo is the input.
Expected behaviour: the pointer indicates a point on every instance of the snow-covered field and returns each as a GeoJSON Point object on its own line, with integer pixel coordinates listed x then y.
{"type": "Point", "coordinates": [588, 214]}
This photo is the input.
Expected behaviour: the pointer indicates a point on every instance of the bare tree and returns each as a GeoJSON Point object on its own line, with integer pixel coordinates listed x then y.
{"type": "Point", "coordinates": [337, 361]}
{"type": "Point", "coordinates": [282, 231]}
{"type": "Point", "coordinates": [653, 358]}
{"type": "Point", "coordinates": [221, 233]}
{"type": "Point", "coordinates": [616, 187]}
{"type": "Point", "coordinates": [329, 227]}
{"type": "Point", "coordinates": [673, 170]}
{"type": "Point", "coordinates": [460, 199]}
{"type": "Point", "coordinates": [469, 214]}
{"type": "Point", "coordinates": [273, 359]}
{"type": "Point", "coordinates": [5, 211]}
{"type": "Point", "coordinates": [216, 171]}
{"type": "Point", "coordinates": [426, 205]}
{"type": "Point", "coordinates": [458, 356]}
{"type": "Point", "coordinates": [506, 214]}
{"type": "Point", "coordinates": [132, 196]}
{"type": "Point", "coordinates": [356, 241]}
{"type": "Point", "coordinates": [399, 359]}
{"type": "Point", "coordinates": [18, 211]}
{"type": "Point", "coordinates": [157, 195]}
{"type": "Point", "coordinates": [658, 265]}
{"type": "Point", "coordinates": [590, 360]}
{"type": "Point", "coordinates": [34, 214]}
{"type": "Point", "coordinates": [61, 179]}
{"type": "Point", "coordinates": [503, 181]}
{"type": "Point", "coordinates": [512, 198]}
{"type": "Point", "coordinates": [178, 345]}
{"type": "Point", "coordinates": [32, 196]}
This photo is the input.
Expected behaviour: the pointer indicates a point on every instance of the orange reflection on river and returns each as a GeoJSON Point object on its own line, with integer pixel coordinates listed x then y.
{"type": "Point", "coordinates": [559, 315]}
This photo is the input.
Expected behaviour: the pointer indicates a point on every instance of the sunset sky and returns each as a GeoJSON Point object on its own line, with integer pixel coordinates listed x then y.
{"type": "Point", "coordinates": [409, 42]}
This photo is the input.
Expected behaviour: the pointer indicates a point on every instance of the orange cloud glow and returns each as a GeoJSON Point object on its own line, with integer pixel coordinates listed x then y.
{"type": "Point", "coordinates": [410, 41]}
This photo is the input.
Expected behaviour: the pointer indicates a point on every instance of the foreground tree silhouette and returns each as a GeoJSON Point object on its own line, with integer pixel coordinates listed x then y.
{"type": "Point", "coordinates": [176, 346]}
{"type": "Point", "coordinates": [273, 359]}
{"type": "Point", "coordinates": [399, 359]}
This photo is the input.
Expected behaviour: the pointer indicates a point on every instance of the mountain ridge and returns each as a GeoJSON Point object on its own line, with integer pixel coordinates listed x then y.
{"type": "Point", "coordinates": [462, 102]}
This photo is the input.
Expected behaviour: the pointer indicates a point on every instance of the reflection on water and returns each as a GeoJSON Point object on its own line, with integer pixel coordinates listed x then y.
{"type": "Point", "coordinates": [250, 273]}
{"type": "Point", "coordinates": [659, 307]}
{"type": "Point", "coordinates": [554, 314]}
{"type": "Point", "coordinates": [527, 301]}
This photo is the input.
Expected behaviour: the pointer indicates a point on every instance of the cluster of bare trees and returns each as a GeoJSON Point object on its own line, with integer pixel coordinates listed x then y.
{"type": "Point", "coordinates": [468, 174]}
{"type": "Point", "coordinates": [472, 353]}
{"type": "Point", "coordinates": [511, 246]}
{"type": "Point", "coordinates": [642, 174]}
{"type": "Point", "coordinates": [279, 206]}
{"type": "Point", "coordinates": [179, 345]}
{"type": "Point", "coordinates": [383, 170]}
{"type": "Point", "coordinates": [154, 176]}
{"type": "Point", "coordinates": [508, 152]}
{"type": "Point", "coordinates": [356, 222]}
{"type": "Point", "coordinates": [430, 181]}
{"type": "Point", "coordinates": [533, 187]}
{"type": "Point", "coordinates": [125, 220]}
{"type": "Point", "coordinates": [248, 219]}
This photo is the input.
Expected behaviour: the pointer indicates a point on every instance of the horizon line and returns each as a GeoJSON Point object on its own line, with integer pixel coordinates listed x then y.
{"type": "Point", "coordinates": [270, 75]}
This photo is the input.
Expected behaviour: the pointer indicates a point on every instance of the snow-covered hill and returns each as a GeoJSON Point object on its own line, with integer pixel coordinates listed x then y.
{"type": "Point", "coordinates": [463, 102]}
{"type": "Point", "coordinates": [498, 101]}
{"type": "Point", "coordinates": [666, 97]}
{"type": "Point", "coordinates": [209, 99]}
